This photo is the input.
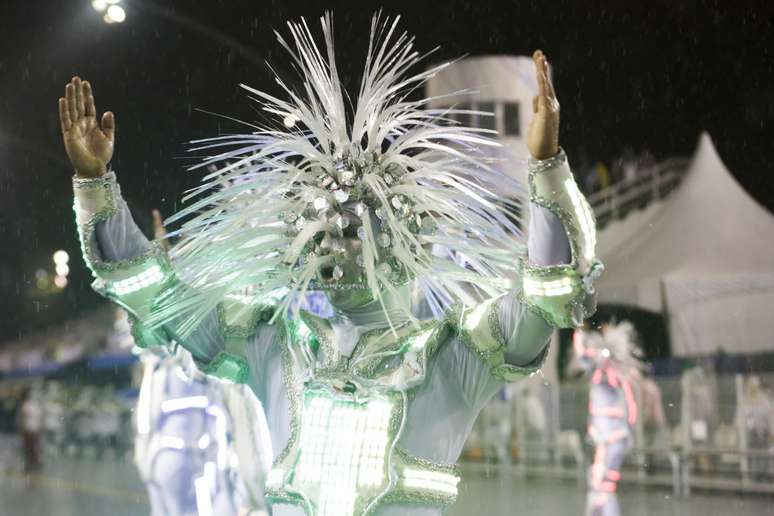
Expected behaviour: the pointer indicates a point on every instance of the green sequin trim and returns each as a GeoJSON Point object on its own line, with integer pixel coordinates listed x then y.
{"type": "Point", "coordinates": [322, 332]}
{"type": "Point", "coordinates": [228, 367]}
{"type": "Point", "coordinates": [539, 166]}
{"type": "Point", "coordinates": [292, 389]}
{"type": "Point", "coordinates": [145, 338]}
{"type": "Point", "coordinates": [87, 229]}
{"type": "Point", "coordinates": [576, 304]}
{"type": "Point", "coordinates": [510, 372]}
{"type": "Point", "coordinates": [402, 494]}
{"type": "Point", "coordinates": [258, 313]}
{"type": "Point", "coordinates": [489, 356]}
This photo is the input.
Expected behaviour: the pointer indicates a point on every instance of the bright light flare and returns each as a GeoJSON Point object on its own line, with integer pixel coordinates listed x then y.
{"type": "Point", "coordinates": [61, 257]}
{"type": "Point", "coordinates": [62, 269]}
{"type": "Point", "coordinates": [99, 5]}
{"type": "Point", "coordinates": [115, 14]}
{"type": "Point", "coordinates": [60, 281]}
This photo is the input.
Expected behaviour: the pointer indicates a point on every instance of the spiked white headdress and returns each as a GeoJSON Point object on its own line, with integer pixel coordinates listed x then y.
{"type": "Point", "coordinates": [402, 178]}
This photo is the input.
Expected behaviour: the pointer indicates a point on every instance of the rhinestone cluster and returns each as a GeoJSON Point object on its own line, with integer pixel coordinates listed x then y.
{"type": "Point", "coordinates": [342, 200]}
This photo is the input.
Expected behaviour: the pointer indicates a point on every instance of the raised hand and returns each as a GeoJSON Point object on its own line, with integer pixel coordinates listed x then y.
{"type": "Point", "coordinates": [88, 143]}
{"type": "Point", "coordinates": [159, 231]}
{"type": "Point", "coordinates": [543, 131]}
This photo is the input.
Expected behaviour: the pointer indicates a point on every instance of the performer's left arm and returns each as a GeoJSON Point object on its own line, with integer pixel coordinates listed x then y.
{"type": "Point", "coordinates": [511, 332]}
{"type": "Point", "coordinates": [631, 402]}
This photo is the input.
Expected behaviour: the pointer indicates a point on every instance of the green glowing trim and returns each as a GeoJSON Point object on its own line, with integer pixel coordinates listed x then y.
{"type": "Point", "coordinates": [227, 367]}
{"type": "Point", "coordinates": [555, 292]}
{"type": "Point", "coordinates": [561, 294]}
{"type": "Point", "coordinates": [480, 331]}
{"type": "Point", "coordinates": [133, 284]}
{"type": "Point", "coordinates": [340, 380]}
{"type": "Point", "coordinates": [145, 338]}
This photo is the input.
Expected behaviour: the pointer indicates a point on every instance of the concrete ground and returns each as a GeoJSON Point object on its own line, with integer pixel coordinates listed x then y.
{"type": "Point", "coordinates": [86, 487]}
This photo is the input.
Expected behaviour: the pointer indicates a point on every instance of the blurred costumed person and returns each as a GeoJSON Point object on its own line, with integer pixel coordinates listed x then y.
{"type": "Point", "coordinates": [107, 422]}
{"type": "Point", "coordinates": [369, 409]}
{"type": "Point", "coordinates": [190, 429]}
{"type": "Point", "coordinates": [754, 415]}
{"type": "Point", "coordinates": [54, 415]}
{"type": "Point", "coordinates": [612, 359]}
{"type": "Point", "coordinates": [182, 444]}
{"type": "Point", "coordinates": [83, 420]}
{"type": "Point", "coordinates": [31, 426]}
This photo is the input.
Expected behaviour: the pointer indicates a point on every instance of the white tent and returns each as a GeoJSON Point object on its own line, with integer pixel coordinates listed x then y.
{"type": "Point", "coordinates": [704, 257]}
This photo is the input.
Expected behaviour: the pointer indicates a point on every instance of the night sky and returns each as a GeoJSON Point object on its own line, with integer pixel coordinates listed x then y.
{"type": "Point", "coordinates": [644, 75]}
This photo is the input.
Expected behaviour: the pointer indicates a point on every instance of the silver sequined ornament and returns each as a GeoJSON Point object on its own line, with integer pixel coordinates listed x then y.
{"type": "Point", "coordinates": [341, 196]}
{"type": "Point", "coordinates": [384, 240]}
{"type": "Point", "coordinates": [361, 233]}
{"type": "Point", "coordinates": [342, 221]}
{"type": "Point", "coordinates": [347, 178]}
{"type": "Point", "coordinates": [338, 273]}
{"type": "Point", "coordinates": [338, 247]}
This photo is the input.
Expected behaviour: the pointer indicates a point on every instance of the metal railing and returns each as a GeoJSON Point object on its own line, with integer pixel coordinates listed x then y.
{"type": "Point", "coordinates": [618, 200]}
{"type": "Point", "coordinates": [663, 456]}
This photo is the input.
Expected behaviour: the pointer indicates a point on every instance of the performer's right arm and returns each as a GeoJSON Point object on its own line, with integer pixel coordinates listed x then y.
{"type": "Point", "coordinates": [128, 268]}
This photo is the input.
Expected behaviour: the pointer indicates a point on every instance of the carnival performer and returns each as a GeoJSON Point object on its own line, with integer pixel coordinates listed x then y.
{"type": "Point", "coordinates": [368, 409]}
{"type": "Point", "coordinates": [182, 443]}
{"type": "Point", "coordinates": [190, 429]}
{"type": "Point", "coordinates": [612, 360]}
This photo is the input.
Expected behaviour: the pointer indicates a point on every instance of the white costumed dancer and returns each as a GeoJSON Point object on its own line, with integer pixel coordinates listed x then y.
{"type": "Point", "coordinates": [191, 429]}
{"type": "Point", "coordinates": [187, 440]}
{"type": "Point", "coordinates": [369, 409]}
{"type": "Point", "coordinates": [182, 442]}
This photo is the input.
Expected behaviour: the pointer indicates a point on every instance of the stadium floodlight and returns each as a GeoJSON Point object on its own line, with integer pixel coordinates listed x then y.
{"type": "Point", "coordinates": [60, 281]}
{"type": "Point", "coordinates": [61, 257]}
{"type": "Point", "coordinates": [115, 14]}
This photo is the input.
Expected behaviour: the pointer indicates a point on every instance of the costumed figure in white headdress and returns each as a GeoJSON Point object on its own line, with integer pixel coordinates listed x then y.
{"type": "Point", "coordinates": [613, 363]}
{"type": "Point", "coordinates": [190, 430]}
{"type": "Point", "coordinates": [368, 409]}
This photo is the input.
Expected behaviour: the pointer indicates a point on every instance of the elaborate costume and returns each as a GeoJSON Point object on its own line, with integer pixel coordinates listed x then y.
{"type": "Point", "coordinates": [186, 441]}
{"type": "Point", "coordinates": [612, 361]}
{"type": "Point", "coordinates": [181, 448]}
{"type": "Point", "coordinates": [368, 409]}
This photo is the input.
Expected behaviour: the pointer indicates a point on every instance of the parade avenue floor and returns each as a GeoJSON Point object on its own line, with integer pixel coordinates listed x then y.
{"type": "Point", "coordinates": [90, 488]}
